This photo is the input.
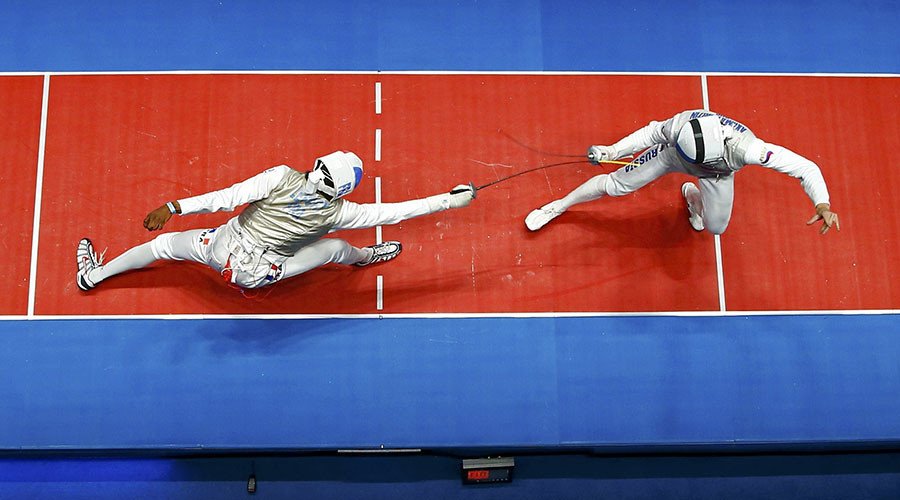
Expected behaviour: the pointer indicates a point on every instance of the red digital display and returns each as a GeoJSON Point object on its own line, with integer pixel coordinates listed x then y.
{"type": "Point", "coordinates": [476, 475]}
{"type": "Point", "coordinates": [489, 470]}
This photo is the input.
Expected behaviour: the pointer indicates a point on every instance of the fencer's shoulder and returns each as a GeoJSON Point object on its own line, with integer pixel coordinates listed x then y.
{"type": "Point", "coordinates": [280, 173]}
{"type": "Point", "coordinates": [279, 169]}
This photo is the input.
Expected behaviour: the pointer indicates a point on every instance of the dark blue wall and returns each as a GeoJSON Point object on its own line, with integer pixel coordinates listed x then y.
{"type": "Point", "coordinates": [821, 477]}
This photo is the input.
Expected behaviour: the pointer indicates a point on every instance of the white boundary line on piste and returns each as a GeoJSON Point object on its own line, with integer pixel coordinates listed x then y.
{"type": "Point", "coordinates": [38, 189]}
{"type": "Point", "coordinates": [378, 108]}
{"type": "Point", "coordinates": [431, 72]}
{"type": "Point", "coordinates": [511, 315]}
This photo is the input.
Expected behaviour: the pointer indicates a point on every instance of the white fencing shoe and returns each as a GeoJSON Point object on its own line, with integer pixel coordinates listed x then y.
{"type": "Point", "coordinates": [540, 217]}
{"type": "Point", "coordinates": [692, 198]}
{"type": "Point", "coordinates": [382, 252]}
{"type": "Point", "coordinates": [87, 262]}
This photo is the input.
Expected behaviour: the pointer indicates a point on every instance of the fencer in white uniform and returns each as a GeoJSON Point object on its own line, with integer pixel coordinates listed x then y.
{"type": "Point", "coordinates": [280, 233]}
{"type": "Point", "coordinates": [706, 145]}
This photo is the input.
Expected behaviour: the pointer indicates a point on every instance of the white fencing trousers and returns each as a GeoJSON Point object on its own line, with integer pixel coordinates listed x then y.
{"type": "Point", "coordinates": [247, 265]}
{"type": "Point", "coordinates": [717, 196]}
{"type": "Point", "coordinates": [717, 193]}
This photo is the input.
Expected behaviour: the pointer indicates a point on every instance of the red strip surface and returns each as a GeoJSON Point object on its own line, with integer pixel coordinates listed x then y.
{"type": "Point", "coordinates": [848, 126]}
{"type": "Point", "coordinates": [20, 107]}
{"type": "Point", "coordinates": [119, 146]}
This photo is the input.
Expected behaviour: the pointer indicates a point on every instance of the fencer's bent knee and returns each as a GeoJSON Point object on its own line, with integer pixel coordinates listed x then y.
{"type": "Point", "coordinates": [334, 250]}
{"type": "Point", "coordinates": [334, 245]}
{"type": "Point", "coordinates": [598, 184]}
{"type": "Point", "coordinates": [714, 226]}
{"type": "Point", "coordinates": [161, 246]}
{"type": "Point", "coordinates": [612, 186]}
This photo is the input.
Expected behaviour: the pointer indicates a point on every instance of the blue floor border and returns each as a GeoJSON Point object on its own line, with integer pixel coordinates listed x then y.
{"type": "Point", "coordinates": [531, 35]}
{"type": "Point", "coordinates": [449, 383]}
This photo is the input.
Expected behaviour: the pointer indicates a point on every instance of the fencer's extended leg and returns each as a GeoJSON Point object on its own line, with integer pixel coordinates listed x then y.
{"type": "Point", "coordinates": [172, 246]}
{"type": "Point", "coordinates": [647, 167]}
{"type": "Point", "coordinates": [325, 251]}
{"type": "Point", "coordinates": [593, 189]}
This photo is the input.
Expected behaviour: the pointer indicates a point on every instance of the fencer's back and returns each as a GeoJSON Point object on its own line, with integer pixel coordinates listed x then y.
{"type": "Point", "coordinates": [289, 219]}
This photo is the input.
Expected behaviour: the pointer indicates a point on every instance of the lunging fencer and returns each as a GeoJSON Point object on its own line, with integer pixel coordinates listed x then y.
{"type": "Point", "coordinates": [280, 233]}
{"type": "Point", "coordinates": [706, 145]}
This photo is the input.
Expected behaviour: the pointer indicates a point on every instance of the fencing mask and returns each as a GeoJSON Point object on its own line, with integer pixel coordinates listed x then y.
{"type": "Point", "coordinates": [335, 175]}
{"type": "Point", "coordinates": [701, 140]}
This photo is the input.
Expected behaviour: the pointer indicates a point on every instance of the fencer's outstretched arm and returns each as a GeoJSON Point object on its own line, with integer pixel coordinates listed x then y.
{"type": "Point", "coordinates": [654, 133]}
{"type": "Point", "coordinates": [784, 160]}
{"type": "Point", "coordinates": [255, 188]}
{"type": "Point", "coordinates": [358, 216]}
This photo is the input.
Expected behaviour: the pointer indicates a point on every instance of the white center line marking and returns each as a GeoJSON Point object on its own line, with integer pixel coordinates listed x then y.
{"type": "Point", "coordinates": [377, 98]}
{"type": "Point", "coordinates": [377, 144]}
{"type": "Point", "coordinates": [379, 280]}
{"type": "Point", "coordinates": [378, 202]}
{"type": "Point", "coordinates": [379, 287]}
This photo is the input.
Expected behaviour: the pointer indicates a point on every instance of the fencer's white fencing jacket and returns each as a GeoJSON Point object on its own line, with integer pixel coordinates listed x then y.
{"type": "Point", "coordinates": [282, 218]}
{"type": "Point", "coordinates": [742, 148]}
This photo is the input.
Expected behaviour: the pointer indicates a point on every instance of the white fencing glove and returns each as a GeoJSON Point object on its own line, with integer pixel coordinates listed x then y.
{"type": "Point", "coordinates": [458, 197]}
{"type": "Point", "coordinates": [313, 179]}
{"type": "Point", "coordinates": [596, 154]}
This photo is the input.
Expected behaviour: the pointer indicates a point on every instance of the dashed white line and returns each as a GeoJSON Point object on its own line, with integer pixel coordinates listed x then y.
{"type": "Point", "coordinates": [377, 144]}
{"type": "Point", "coordinates": [377, 98]}
{"type": "Point", "coordinates": [378, 201]}
{"type": "Point", "coordinates": [379, 280]}
{"type": "Point", "coordinates": [379, 292]}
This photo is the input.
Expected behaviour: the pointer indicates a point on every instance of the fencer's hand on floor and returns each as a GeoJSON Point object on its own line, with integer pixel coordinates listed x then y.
{"type": "Point", "coordinates": [156, 219]}
{"type": "Point", "coordinates": [828, 218]}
